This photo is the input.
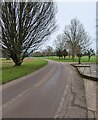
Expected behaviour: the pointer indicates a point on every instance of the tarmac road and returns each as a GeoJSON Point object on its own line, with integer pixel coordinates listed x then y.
{"type": "Point", "coordinates": [56, 90]}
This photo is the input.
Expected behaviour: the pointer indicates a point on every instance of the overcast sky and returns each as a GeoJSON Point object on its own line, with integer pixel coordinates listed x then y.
{"type": "Point", "coordinates": [84, 11]}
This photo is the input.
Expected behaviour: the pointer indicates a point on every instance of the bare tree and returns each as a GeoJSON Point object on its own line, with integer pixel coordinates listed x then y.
{"type": "Point", "coordinates": [59, 43]}
{"type": "Point", "coordinates": [77, 38]}
{"type": "Point", "coordinates": [49, 50]}
{"type": "Point", "coordinates": [25, 26]}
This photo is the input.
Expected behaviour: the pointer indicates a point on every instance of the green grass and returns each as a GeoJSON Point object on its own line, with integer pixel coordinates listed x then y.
{"type": "Point", "coordinates": [11, 72]}
{"type": "Point", "coordinates": [67, 59]}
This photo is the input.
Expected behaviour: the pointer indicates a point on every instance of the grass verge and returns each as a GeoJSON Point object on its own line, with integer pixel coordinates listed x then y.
{"type": "Point", "coordinates": [10, 72]}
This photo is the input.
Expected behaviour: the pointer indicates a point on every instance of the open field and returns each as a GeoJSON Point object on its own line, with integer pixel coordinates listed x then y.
{"type": "Point", "coordinates": [11, 72]}
{"type": "Point", "coordinates": [67, 59]}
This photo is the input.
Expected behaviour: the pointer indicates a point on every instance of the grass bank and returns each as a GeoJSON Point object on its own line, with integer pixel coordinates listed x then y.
{"type": "Point", "coordinates": [11, 72]}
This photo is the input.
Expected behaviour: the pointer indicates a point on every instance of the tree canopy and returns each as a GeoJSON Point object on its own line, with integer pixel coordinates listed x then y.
{"type": "Point", "coordinates": [25, 26]}
{"type": "Point", "coordinates": [74, 38]}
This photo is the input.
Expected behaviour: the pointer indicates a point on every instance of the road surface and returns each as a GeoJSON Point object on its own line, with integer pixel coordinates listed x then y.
{"type": "Point", "coordinates": [54, 91]}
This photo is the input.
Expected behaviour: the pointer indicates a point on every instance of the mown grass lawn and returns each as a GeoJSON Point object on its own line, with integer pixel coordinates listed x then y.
{"type": "Point", "coordinates": [11, 72]}
{"type": "Point", "coordinates": [67, 59]}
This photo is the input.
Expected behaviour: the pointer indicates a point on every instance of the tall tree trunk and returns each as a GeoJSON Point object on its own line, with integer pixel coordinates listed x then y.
{"type": "Point", "coordinates": [17, 61]}
{"type": "Point", "coordinates": [69, 55]}
{"type": "Point", "coordinates": [73, 57]}
{"type": "Point", "coordinates": [79, 60]}
{"type": "Point", "coordinates": [89, 58]}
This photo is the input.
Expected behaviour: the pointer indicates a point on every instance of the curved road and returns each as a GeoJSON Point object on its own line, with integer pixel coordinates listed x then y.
{"type": "Point", "coordinates": [53, 91]}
